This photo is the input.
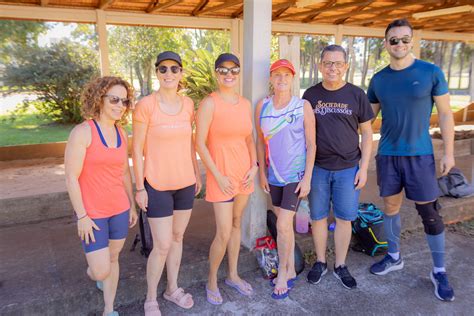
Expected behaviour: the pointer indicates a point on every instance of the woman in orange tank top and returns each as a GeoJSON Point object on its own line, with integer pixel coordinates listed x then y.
{"type": "Point", "coordinates": [167, 179]}
{"type": "Point", "coordinates": [99, 182]}
{"type": "Point", "coordinates": [225, 144]}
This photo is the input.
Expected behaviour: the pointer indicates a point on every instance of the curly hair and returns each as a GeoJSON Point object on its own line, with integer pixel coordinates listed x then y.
{"type": "Point", "coordinates": [93, 93]}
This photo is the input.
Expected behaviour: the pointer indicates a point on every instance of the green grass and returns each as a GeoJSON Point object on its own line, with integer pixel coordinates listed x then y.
{"type": "Point", "coordinates": [31, 129]}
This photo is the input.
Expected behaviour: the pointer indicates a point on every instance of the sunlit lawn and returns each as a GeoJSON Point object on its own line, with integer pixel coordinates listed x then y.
{"type": "Point", "coordinates": [31, 129]}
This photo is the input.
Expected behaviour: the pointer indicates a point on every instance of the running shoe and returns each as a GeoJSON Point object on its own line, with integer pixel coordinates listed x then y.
{"type": "Point", "coordinates": [386, 265]}
{"type": "Point", "coordinates": [443, 290]}
{"type": "Point", "coordinates": [317, 271]}
{"type": "Point", "coordinates": [343, 275]}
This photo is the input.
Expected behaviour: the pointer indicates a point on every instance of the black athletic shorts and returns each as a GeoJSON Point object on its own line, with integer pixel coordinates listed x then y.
{"type": "Point", "coordinates": [163, 203]}
{"type": "Point", "coordinates": [285, 197]}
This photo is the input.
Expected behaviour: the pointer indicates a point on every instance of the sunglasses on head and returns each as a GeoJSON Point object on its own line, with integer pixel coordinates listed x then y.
{"type": "Point", "coordinates": [224, 71]}
{"type": "Point", "coordinates": [113, 99]}
{"type": "Point", "coordinates": [394, 40]}
{"type": "Point", "coordinates": [164, 69]}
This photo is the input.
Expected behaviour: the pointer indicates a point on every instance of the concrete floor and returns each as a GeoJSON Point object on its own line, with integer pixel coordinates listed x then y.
{"type": "Point", "coordinates": [42, 272]}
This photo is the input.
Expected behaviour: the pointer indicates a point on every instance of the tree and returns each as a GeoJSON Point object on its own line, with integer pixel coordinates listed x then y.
{"type": "Point", "coordinates": [56, 74]}
{"type": "Point", "coordinates": [18, 34]}
{"type": "Point", "coordinates": [139, 46]}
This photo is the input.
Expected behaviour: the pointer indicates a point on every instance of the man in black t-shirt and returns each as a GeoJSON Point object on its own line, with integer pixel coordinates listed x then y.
{"type": "Point", "coordinates": [340, 109]}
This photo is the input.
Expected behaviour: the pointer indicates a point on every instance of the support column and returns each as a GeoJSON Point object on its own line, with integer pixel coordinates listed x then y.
{"type": "Point", "coordinates": [256, 67]}
{"type": "Point", "coordinates": [103, 46]}
{"type": "Point", "coordinates": [471, 78]}
{"type": "Point", "coordinates": [338, 35]}
{"type": "Point", "coordinates": [236, 45]}
{"type": "Point", "coordinates": [290, 49]}
{"type": "Point", "coordinates": [417, 43]}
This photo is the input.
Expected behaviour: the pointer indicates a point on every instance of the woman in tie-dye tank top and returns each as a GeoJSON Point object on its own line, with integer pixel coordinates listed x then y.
{"type": "Point", "coordinates": [286, 151]}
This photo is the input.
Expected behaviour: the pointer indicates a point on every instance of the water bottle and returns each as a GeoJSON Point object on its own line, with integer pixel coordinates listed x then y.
{"type": "Point", "coordinates": [332, 226]}
{"type": "Point", "coordinates": [302, 217]}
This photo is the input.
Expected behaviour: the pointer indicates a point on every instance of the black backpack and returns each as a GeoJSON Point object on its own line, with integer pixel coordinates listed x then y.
{"type": "Point", "coordinates": [144, 237]}
{"type": "Point", "coordinates": [368, 231]}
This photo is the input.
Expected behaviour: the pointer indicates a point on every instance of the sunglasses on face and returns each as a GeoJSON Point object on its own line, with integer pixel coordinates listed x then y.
{"type": "Point", "coordinates": [338, 64]}
{"type": "Point", "coordinates": [115, 100]}
{"type": "Point", "coordinates": [224, 71]}
{"type": "Point", "coordinates": [394, 40]}
{"type": "Point", "coordinates": [164, 69]}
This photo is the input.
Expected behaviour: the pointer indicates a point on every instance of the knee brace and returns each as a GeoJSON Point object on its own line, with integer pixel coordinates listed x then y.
{"type": "Point", "coordinates": [432, 221]}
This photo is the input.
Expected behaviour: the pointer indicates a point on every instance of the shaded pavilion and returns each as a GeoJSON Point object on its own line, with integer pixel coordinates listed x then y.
{"type": "Point", "coordinates": [251, 23]}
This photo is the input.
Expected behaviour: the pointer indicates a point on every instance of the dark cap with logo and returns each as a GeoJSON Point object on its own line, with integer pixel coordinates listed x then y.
{"type": "Point", "coordinates": [226, 57]}
{"type": "Point", "coordinates": [168, 55]}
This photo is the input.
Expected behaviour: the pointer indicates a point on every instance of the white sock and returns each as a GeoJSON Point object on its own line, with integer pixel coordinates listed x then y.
{"type": "Point", "coordinates": [438, 270]}
{"type": "Point", "coordinates": [394, 255]}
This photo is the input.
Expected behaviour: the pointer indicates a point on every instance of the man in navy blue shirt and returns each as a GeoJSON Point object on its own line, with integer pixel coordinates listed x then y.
{"type": "Point", "coordinates": [405, 92]}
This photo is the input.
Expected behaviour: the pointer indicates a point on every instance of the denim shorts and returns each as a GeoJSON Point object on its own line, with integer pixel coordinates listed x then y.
{"type": "Point", "coordinates": [415, 174]}
{"type": "Point", "coordinates": [114, 227]}
{"type": "Point", "coordinates": [336, 188]}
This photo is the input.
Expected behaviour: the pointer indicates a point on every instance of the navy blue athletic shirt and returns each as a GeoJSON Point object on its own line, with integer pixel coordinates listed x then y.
{"type": "Point", "coordinates": [406, 102]}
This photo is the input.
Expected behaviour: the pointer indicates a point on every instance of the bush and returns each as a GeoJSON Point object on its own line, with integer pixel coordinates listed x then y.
{"type": "Point", "coordinates": [56, 74]}
{"type": "Point", "coordinates": [200, 80]}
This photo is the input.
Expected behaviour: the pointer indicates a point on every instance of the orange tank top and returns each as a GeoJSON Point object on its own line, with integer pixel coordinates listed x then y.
{"type": "Point", "coordinates": [101, 179]}
{"type": "Point", "coordinates": [167, 151]}
{"type": "Point", "coordinates": [226, 140]}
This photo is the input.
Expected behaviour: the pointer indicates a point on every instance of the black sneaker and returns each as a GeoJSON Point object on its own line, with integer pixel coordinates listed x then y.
{"type": "Point", "coordinates": [342, 274]}
{"type": "Point", "coordinates": [317, 271]}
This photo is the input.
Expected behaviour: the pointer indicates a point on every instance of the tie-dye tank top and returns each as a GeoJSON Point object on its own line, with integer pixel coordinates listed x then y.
{"type": "Point", "coordinates": [283, 130]}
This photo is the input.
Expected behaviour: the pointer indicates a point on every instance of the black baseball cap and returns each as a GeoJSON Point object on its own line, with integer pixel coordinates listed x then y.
{"type": "Point", "coordinates": [168, 55]}
{"type": "Point", "coordinates": [226, 57]}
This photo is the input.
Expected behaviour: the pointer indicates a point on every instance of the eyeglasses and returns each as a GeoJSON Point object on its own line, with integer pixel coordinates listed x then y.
{"type": "Point", "coordinates": [115, 100]}
{"type": "Point", "coordinates": [224, 71]}
{"type": "Point", "coordinates": [394, 40]}
{"type": "Point", "coordinates": [338, 64]}
{"type": "Point", "coordinates": [164, 69]}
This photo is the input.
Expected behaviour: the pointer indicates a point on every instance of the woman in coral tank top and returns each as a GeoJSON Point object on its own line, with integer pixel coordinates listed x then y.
{"type": "Point", "coordinates": [99, 182]}
{"type": "Point", "coordinates": [167, 179]}
{"type": "Point", "coordinates": [225, 144]}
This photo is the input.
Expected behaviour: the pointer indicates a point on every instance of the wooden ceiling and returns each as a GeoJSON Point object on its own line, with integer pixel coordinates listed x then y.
{"type": "Point", "coordinates": [369, 13]}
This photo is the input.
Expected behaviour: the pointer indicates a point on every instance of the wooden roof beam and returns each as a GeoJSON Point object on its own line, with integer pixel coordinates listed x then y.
{"type": "Point", "coordinates": [201, 5]}
{"type": "Point", "coordinates": [227, 4]}
{"type": "Point", "coordinates": [380, 9]}
{"type": "Point", "coordinates": [238, 13]}
{"type": "Point", "coordinates": [360, 8]}
{"type": "Point", "coordinates": [161, 6]}
{"type": "Point", "coordinates": [321, 10]}
{"type": "Point", "coordinates": [313, 16]}
{"type": "Point", "coordinates": [104, 4]}
{"type": "Point", "coordinates": [281, 8]}
{"type": "Point", "coordinates": [382, 16]}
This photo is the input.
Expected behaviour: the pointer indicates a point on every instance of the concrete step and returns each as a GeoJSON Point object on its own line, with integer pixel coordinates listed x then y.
{"type": "Point", "coordinates": [19, 206]}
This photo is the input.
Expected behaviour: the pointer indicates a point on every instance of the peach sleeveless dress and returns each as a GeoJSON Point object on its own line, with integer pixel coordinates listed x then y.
{"type": "Point", "coordinates": [231, 124]}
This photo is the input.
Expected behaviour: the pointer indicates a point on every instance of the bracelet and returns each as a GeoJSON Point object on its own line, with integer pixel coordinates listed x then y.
{"type": "Point", "coordinates": [140, 190]}
{"type": "Point", "coordinates": [79, 218]}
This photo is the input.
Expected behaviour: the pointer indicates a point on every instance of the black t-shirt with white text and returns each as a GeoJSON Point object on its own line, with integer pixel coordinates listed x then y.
{"type": "Point", "coordinates": [338, 114]}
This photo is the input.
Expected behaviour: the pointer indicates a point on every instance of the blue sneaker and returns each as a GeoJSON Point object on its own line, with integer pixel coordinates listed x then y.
{"type": "Point", "coordinates": [386, 265]}
{"type": "Point", "coordinates": [443, 290]}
